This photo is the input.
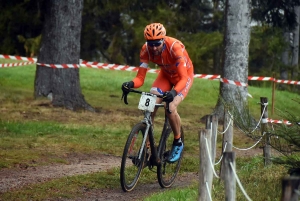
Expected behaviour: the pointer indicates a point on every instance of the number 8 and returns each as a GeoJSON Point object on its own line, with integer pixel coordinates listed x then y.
{"type": "Point", "coordinates": [147, 103]}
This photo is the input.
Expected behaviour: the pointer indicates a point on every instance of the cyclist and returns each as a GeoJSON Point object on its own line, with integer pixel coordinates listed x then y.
{"type": "Point", "coordinates": [174, 79]}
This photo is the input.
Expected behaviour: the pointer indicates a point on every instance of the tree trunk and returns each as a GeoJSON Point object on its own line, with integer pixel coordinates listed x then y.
{"type": "Point", "coordinates": [61, 45]}
{"type": "Point", "coordinates": [236, 54]}
{"type": "Point", "coordinates": [285, 60]}
{"type": "Point", "coordinates": [295, 57]}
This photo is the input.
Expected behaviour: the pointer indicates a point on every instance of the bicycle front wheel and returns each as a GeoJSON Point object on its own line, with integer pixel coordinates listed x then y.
{"type": "Point", "coordinates": [166, 171]}
{"type": "Point", "coordinates": [132, 165]}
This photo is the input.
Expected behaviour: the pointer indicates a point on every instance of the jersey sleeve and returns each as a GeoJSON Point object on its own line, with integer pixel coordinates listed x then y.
{"type": "Point", "coordinates": [140, 77]}
{"type": "Point", "coordinates": [177, 52]}
{"type": "Point", "coordinates": [142, 71]}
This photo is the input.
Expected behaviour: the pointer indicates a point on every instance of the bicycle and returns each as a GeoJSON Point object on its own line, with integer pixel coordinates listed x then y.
{"type": "Point", "coordinates": [137, 155]}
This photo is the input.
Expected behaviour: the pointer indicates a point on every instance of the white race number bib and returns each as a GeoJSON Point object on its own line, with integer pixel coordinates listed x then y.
{"type": "Point", "coordinates": [147, 102]}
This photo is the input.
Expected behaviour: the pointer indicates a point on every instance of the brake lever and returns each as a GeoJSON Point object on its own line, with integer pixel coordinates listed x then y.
{"type": "Point", "coordinates": [124, 95]}
{"type": "Point", "coordinates": [168, 108]}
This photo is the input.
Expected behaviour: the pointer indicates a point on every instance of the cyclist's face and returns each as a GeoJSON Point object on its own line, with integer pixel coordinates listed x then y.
{"type": "Point", "coordinates": [156, 48]}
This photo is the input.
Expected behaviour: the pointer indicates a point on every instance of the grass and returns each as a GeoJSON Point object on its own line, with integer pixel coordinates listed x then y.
{"type": "Point", "coordinates": [259, 182]}
{"type": "Point", "coordinates": [187, 194]}
{"type": "Point", "coordinates": [32, 130]}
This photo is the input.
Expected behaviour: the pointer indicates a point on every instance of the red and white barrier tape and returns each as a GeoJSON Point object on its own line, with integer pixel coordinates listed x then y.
{"type": "Point", "coordinates": [205, 76]}
{"type": "Point", "coordinates": [109, 66]}
{"type": "Point", "coordinates": [260, 78]}
{"type": "Point", "coordinates": [3, 56]}
{"type": "Point", "coordinates": [233, 82]}
{"type": "Point", "coordinates": [16, 64]}
{"type": "Point", "coordinates": [59, 65]}
{"type": "Point", "coordinates": [288, 82]}
{"type": "Point", "coordinates": [274, 80]}
{"type": "Point", "coordinates": [99, 65]}
{"type": "Point", "coordinates": [113, 66]}
{"type": "Point", "coordinates": [279, 121]}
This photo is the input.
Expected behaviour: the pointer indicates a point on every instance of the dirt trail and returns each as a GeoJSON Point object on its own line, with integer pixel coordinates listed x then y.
{"type": "Point", "coordinates": [18, 177]}
{"type": "Point", "coordinates": [141, 190]}
{"type": "Point", "coordinates": [24, 175]}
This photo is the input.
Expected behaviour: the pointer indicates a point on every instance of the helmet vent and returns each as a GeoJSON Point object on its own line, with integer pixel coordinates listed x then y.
{"type": "Point", "coordinates": [154, 31]}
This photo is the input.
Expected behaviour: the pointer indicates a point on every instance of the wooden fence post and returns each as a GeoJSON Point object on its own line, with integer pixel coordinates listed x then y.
{"type": "Point", "coordinates": [208, 122]}
{"type": "Point", "coordinates": [205, 172]}
{"type": "Point", "coordinates": [227, 136]}
{"type": "Point", "coordinates": [214, 136]}
{"type": "Point", "coordinates": [228, 176]}
{"type": "Point", "coordinates": [264, 121]}
{"type": "Point", "coordinates": [290, 188]}
{"type": "Point", "coordinates": [212, 126]}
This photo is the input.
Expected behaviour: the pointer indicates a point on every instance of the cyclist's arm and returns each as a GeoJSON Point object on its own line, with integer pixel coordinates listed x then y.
{"type": "Point", "coordinates": [178, 53]}
{"type": "Point", "coordinates": [141, 74]}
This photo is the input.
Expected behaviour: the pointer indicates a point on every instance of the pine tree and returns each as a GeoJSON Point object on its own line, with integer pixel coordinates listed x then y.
{"type": "Point", "coordinates": [285, 138]}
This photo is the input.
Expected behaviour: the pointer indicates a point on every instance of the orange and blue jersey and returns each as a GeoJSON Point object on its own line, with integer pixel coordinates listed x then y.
{"type": "Point", "coordinates": [174, 62]}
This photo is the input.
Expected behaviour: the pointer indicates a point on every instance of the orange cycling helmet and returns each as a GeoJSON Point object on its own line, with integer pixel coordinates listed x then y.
{"type": "Point", "coordinates": [154, 31]}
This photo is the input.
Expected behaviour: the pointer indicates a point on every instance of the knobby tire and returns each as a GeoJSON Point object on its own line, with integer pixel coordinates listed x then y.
{"type": "Point", "coordinates": [131, 166]}
{"type": "Point", "coordinates": [167, 172]}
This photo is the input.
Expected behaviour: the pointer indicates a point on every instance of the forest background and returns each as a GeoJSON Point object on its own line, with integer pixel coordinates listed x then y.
{"type": "Point", "coordinates": [112, 32]}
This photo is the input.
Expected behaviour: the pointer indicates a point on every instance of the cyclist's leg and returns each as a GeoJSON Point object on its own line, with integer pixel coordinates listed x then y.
{"type": "Point", "coordinates": [174, 117]}
{"type": "Point", "coordinates": [175, 124]}
{"type": "Point", "coordinates": [175, 121]}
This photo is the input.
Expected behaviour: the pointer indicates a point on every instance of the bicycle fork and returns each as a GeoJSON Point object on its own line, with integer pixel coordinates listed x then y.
{"type": "Point", "coordinates": [151, 139]}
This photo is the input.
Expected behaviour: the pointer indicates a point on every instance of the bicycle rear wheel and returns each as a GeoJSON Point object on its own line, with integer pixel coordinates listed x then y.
{"type": "Point", "coordinates": [131, 166]}
{"type": "Point", "coordinates": [166, 171]}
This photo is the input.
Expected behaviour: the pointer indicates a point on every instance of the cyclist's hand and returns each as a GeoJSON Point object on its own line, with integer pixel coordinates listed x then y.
{"type": "Point", "coordinates": [168, 96]}
{"type": "Point", "coordinates": [126, 86]}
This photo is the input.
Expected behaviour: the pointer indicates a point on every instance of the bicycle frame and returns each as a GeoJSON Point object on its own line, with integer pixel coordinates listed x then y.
{"type": "Point", "coordinates": [149, 126]}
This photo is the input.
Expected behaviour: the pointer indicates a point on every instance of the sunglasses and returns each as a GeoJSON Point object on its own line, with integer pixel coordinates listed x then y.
{"type": "Point", "coordinates": [155, 43]}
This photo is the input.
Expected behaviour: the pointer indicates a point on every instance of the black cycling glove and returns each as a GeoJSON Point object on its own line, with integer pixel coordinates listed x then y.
{"type": "Point", "coordinates": [126, 86]}
{"type": "Point", "coordinates": [168, 96]}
